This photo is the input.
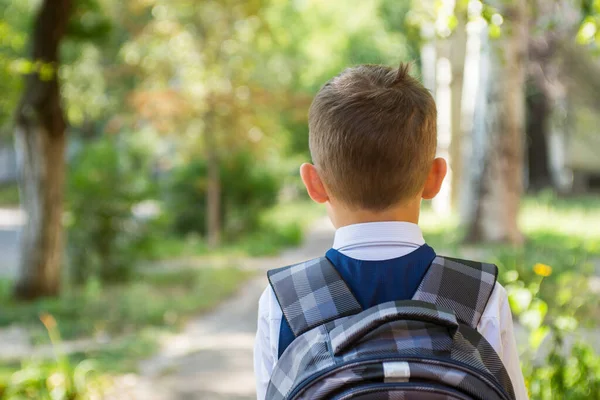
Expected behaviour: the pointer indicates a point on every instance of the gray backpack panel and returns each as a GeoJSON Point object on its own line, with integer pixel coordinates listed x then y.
{"type": "Point", "coordinates": [312, 293]}
{"type": "Point", "coordinates": [424, 348]}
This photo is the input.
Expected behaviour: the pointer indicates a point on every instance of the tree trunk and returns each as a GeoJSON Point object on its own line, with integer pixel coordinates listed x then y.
{"type": "Point", "coordinates": [542, 76]}
{"type": "Point", "coordinates": [443, 98]}
{"type": "Point", "coordinates": [538, 118]}
{"type": "Point", "coordinates": [473, 118]}
{"type": "Point", "coordinates": [428, 57]}
{"type": "Point", "coordinates": [40, 135]}
{"type": "Point", "coordinates": [458, 43]}
{"type": "Point", "coordinates": [213, 192]}
{"type": "Point", "coordinates": [502, 182]}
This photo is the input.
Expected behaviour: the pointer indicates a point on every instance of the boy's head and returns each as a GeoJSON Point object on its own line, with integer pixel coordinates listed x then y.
{"type": "Point", "coordinates": [373, 140]}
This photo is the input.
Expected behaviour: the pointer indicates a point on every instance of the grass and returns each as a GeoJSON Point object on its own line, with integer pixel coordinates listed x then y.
{"type": "Point", "coordinates": [127, 319]}
{"type": "Point", "coordinates": [120, 356]}
{"type": "Point", "coordinates": [158, 300]}
{"type": "Point", "coordinates": [77, 375]}
{"type": "Point", "coordinates": [131, 317]}
{"type": "Point", "coordinates": [9, 195]}
{"type": "Point", "coordinates": [563, 233]}
{"type": "Point", "coordinates": [279, 227]}
{"type": "Point", "coordinates": [123, 355]}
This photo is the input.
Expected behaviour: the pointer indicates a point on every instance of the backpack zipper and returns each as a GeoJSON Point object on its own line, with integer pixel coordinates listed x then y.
{"type": "Point", "coordinates": [425, 360]}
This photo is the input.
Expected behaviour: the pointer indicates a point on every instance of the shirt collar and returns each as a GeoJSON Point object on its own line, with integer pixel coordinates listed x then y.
{"type": "Point", "coordinates": [378, 233]}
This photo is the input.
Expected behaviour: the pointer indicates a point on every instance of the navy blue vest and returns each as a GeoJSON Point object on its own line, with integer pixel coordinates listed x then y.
{"type": "Point", "coordinates": [375, 282]}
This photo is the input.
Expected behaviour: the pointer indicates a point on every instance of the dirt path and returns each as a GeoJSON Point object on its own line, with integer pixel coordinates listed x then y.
{"type": "Point", "coordinates": [212, 358]}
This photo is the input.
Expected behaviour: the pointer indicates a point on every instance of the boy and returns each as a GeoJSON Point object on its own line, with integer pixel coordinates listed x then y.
{"type": "Point", "coordinates": [372, 137]}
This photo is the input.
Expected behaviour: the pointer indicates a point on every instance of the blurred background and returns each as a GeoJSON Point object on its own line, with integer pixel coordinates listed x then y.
{"type": "Point", "coordinates": [149, 154]}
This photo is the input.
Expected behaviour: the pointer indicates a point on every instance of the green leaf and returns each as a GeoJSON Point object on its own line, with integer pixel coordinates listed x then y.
{"type": "Point", "coordinates": [511, 276]}
{"type": "Point", "coordinates": [537, 336]}
{"type": "Point", "coordinates": [495, 31]}
{"type": "Point", "coordinates": [534, 316]}
{"type": "Point", "coordinates": [519, 299]}
{"type": "Point", "coordinates": [587, 31]}
{"type": "Point", "coordinates": [566, 323]}
{"type": "Point", "coordinates": [22, 66]}
{"type": "Point", "coordinates": [46, 72]}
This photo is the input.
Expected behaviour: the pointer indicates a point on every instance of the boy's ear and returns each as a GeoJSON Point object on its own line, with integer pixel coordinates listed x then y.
{"type": "Point", "coordinates": [436, 176]}
{"type": "Point", "coordinates": [313, 183]}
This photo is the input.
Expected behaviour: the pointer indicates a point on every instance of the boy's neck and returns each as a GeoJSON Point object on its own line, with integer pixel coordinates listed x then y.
{"type": "Point", "coordinates": [405, 213]}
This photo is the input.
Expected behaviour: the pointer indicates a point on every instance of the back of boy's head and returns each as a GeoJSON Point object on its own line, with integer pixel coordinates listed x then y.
{"type": "Point", "coordinates": [373, 136]}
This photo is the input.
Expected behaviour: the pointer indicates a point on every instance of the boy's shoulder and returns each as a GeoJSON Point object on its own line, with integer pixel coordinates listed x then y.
{"type": "Point", "coordinates": [312, 293]}
{"type": "Point", "coordinates": [268, 304]}
{"type": "Point", "coordinates": [497, 308]}
{"type": "Point", "coordinates": [280, 272]}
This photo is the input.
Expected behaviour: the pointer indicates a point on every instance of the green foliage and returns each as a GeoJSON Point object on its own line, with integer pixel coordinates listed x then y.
{"type": "Point", "coordinates": [269, 242]}
{"type": "Point", "coordinates": [280, 226]}
{"type": "Point", "coordinates": [58, 380]}
{"type": "Point", "coordinates": [9, 195]}
{"type": "Point", "coordinates": [161, 299]}
{"type": "Point", "coordinates": [589, 29]}
{"type": "Point", "coordinates": [552, 285]}
{"type": "Point", "coordinates": [567, 371]}
{"type": "Point", "coordinates": [136, 314]}
{"type": "Point", "coordinates": [553, 367]}
{"type": "Point", "coordinates": [247, 188]}
{"type": "Point", "coordinates": [105, 238]}
{"type": "Point", "coordinates": [83, 86]}
{"type": "Point", "coordinates": [398, 18]}
{"type": "Point", "coordinates": [48, 381]}
{"type": "Point", "coordinates": [88, 22]}
{"type": "Point", "coordinates": [13, 27]}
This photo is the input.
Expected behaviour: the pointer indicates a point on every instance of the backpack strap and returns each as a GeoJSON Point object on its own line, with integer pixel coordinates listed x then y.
{"type": "Point", "coordinates": [460, 285]}
{"type": "Point", "coordinates": [312, 293]}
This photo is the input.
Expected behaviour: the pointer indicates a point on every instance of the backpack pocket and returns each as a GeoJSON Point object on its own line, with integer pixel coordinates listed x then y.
{"type": "Point", "coordinates": [402, 391]}
{"type": "Point", "coordinates": [400, 375]}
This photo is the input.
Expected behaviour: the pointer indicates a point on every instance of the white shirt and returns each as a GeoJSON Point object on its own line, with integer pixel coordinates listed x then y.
{"type": "Point", "coordinates": [384, 241]}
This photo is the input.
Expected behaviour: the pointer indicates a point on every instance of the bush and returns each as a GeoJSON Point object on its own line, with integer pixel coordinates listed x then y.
{"type": "Point", "coordinates": [268, 240]}
{"type": "Point", "coordinates": [572, 374]}
{"type": "Point", "coordinates": [554, 368]}
{"type": "Point", "coordinates": [108, 179]}
{"type": "Point", "coordinates": [247, 188]}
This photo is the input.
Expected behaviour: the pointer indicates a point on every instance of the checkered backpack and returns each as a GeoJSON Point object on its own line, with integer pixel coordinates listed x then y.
{"type": "Point", "coordinates": [424, 348]}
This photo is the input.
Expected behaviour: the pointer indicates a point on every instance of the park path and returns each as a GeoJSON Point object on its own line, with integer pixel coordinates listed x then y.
{"type": "Point", "coordinates": [11, 220]}
{"type": "Point", "coordinates": [211, 359]}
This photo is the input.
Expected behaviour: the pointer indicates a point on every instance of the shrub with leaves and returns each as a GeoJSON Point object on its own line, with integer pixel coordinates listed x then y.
{"type": "Point", "coordinates": [554, 367]}
{"type": "Point", "coordinates": [108, 178]}
{"type": "Point", "coordinates": [247, 188]}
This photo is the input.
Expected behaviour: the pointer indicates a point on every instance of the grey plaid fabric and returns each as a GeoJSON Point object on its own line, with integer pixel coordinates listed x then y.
{"type": "Point", "coordinates": [460, 285]}
{"type": "Point", "coordinates": [359, 325]}
{"type": "Point", "coordinates": [410, 338]}
{"type": "Point", "coordinates": [307, 353]}
{"type": "Point", "coordinates": [415, 349]}
{"type": "Point", "coordinates": [312, 293]}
